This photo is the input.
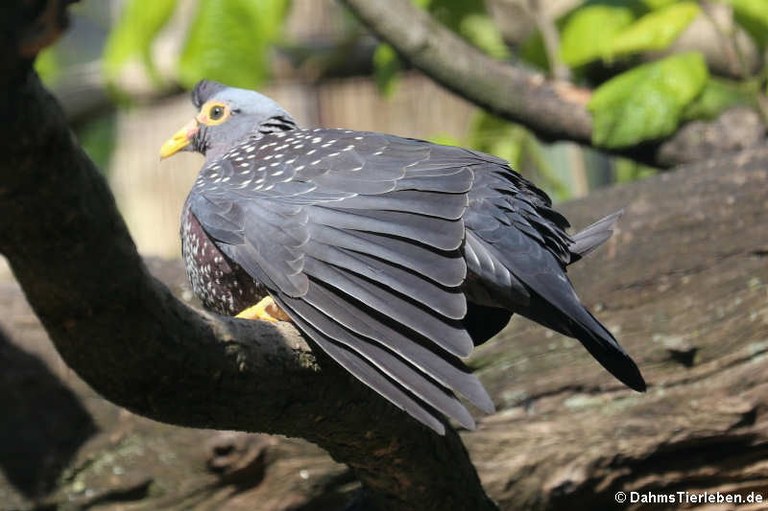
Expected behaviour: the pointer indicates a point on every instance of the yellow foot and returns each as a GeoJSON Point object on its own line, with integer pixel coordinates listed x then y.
{"type": "Point", "coordinates": [265, 310]}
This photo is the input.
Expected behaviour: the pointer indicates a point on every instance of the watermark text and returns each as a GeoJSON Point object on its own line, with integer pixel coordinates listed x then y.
{"type": "Point", "coordinates": [688, 497]}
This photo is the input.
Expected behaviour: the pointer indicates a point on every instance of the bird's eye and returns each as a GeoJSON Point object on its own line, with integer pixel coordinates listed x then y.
{"type": "Point", "coordinates": [216, 112]}
{"type": "Point", "coordinates": [213, 113]}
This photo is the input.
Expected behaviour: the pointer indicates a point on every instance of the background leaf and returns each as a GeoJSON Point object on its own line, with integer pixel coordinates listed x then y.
{"type": "Point", "coordinates": [470, 19]}
{"type": "Point", "coordinates": [386, 68]}
{"type": "Point", "coordinates": [47, 66]}
{"type": "Point", "coordinates": [230, 41]}
{"type": "Point", "coordinates": [133, 35]}
{"type": "Point", "coordinates": [658, 4]}
{"type": "Point", "coordinates": [588, 32]}
{"type": "Point", "coordinates": [646, 102]}
{"type": "Point", "coordinates": [494, 135]}
{"type": "Point", "coordinates": [717, 96]}
{"type": "Point", "coordinates": [656, 30]}
{"type": "Point", "coordinates": [753, 16]}
{"type": "Point", "coordinates": [533, 52]}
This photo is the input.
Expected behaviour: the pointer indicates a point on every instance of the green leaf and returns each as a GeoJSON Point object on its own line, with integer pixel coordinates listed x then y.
{"type": "Point", "coordinates": [718, 95]}
{"type": "Point", "coordinates": [386, 68]}
{"type": "Point", "coordinates": [753, 16]}
{"type": "Point", "coordinates": [512, 142]}
{"type": "Point", "coordinates": [656, 30]}
{"type": "Point", "coordinates": [445, 139]}
{"type": "Point", "coordinates": [533, 52]}
{"type": "Point", "coordinates": [230, 41]}
{"type": "Point", "coordinates": [588, 32]}
{"type": "Point", "coordinates": [97, 137]}
{"type": "Point", "coordinates": [494, 135]}
{"type": "Point", "coordinates": [480, 30]}
{"type": "Point", "coordinates": [47, 66]}
{"type": "Point", "coordinates": [658, 4]}
{"type": "Point", "coordinates": [646, 103]}
{"type": "Point", "coordinates": [132, 37]}
{"type": "Point", "coordinates": [545, 174]}
{"type": "Point", "coordinates": [470, 19]}
{"type": "Point", "coordinates": [626, 170]}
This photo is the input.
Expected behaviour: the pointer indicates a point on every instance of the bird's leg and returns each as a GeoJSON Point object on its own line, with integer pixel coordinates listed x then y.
{"type": "Point", "coordinates": [265, 310]}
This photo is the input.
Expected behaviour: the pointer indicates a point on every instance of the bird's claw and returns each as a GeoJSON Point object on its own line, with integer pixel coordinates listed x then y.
{"type": "Point", "coordinates": [265, 310]}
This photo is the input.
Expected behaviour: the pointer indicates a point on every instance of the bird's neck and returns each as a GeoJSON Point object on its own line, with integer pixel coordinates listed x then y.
{"type": "Point", "coordinates": [215, 151]}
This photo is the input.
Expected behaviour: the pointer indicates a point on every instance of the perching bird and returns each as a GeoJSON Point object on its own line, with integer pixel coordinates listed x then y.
{"type": "Point", "coordinates": [394, 256]}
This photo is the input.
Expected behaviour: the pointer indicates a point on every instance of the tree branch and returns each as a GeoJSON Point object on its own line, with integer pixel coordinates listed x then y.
{"type": "Point", "coordinates": [132, 341]}
{"type": "Point", "coordinates": [552, 109]}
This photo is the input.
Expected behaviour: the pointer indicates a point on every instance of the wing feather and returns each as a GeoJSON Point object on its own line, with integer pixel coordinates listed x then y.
{"type": "Point", "coordinates": [446, 269]}
{"type": "Point", "coordinates": [371, 376]}
{"type": "Point", "coordinates": [447, 334]}
{"type": "Point", "coordinates": [435, 232]}
{"type": "Point", "coordinates": [449, 303]}
{"type": "Point", "coordinates": [448, 206]}
{"type": "Point", "coordinates": [447, 370]}
{"type": "Point", "coordinates": [392, 366]}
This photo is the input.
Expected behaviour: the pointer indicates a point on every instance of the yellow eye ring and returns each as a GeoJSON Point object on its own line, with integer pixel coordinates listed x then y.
{"type": "Point", "coordinates": [213, 113]}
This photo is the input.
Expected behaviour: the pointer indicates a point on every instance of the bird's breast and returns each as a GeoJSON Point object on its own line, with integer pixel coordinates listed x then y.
{"type": "Point", "coordinates": [220, 284]}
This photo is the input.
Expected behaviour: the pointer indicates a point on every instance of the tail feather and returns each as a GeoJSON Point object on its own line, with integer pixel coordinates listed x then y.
{"type": "Point", "coordinates": [593, 236]}
{"type": "Point", "coordinates": [563, 312]}
{"type": "Point", "coordinates": [602, 345]}
{"type": "Point", "coordinates": [554, 304]}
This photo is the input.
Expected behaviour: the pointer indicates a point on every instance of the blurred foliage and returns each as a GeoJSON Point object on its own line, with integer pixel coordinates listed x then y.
{"type": "Point", "coordinates": [587, 33]}
{"type": "Point", "coordinates": [230, 41]}
{"type": "Point", "coordinates": [386, 66]}
{"type": "Point", "coordinates": [133, 35]}
{"type": "Point", "coordinates": [227, 40]}
{"type": "Point", "coordinates": [47, 66]}
{"type": "Point", "coordinates": [627, 170]}
{"type": "Point", "coordinates": [620, 50]}
{"type": "Point", "coordinates": [717, 96]}
{"type": "Point", "coordinates": [655, 30]}
{"type": "Point", "coordinates": [646, 102]}
{"type": "Point", "coordinates": [468, 18]}
{"type": "Point", "coordinates": [494, 135]}
{"type": "Point", "coordinates": [753, 16]}
{"type": "Point", "coordinates": [517, 145]}
{"type": "Point", "coordinates": [97, 138]}
{"type": "Point", "coordinates": [471, 20]}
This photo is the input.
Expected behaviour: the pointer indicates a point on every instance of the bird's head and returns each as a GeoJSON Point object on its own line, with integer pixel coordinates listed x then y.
{"type": "Point", "coordinates": [226, 115]}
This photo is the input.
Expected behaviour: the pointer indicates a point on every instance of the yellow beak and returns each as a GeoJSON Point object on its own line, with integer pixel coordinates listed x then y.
{"type": "Point", "coordinates": [180, 140]}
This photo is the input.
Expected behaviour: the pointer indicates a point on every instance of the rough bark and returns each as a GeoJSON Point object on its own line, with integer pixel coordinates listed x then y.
{"type": "Point", "coordinates": [684, 284]}
{"type": "Point", "coordinates": [554, 110]}
{"type": "Point", "coordinates": [127, 336]}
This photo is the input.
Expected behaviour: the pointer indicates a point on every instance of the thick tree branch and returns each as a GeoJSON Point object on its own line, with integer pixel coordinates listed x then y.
{"type": "Point", "coordinates": [552, 109]}
{"type": "Point", "coordinates": [133, 342]}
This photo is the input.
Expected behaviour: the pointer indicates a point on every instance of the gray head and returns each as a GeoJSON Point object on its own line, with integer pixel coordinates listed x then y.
{"type": "Point", "coordinates": [226, 115]}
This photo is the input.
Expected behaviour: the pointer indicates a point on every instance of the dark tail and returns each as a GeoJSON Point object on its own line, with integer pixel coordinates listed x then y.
{"type": "Point", "coordinates": [565, 314]}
